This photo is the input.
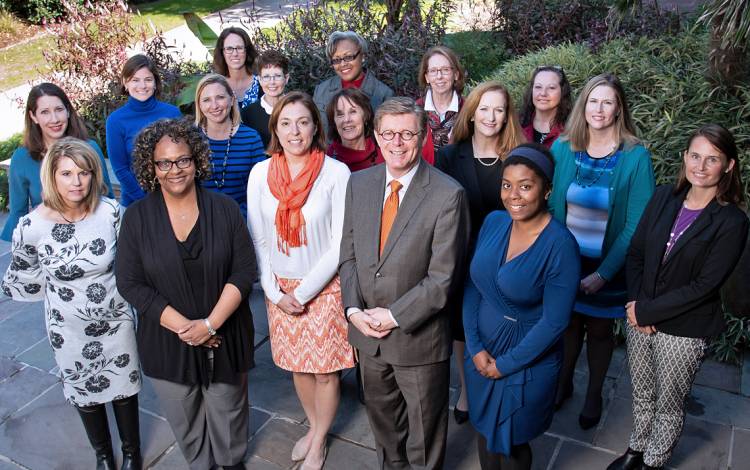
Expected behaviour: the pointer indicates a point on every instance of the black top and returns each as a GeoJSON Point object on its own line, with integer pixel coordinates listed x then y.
{"type": "Point", "coordinates": [679, 295]}
{"type": "Point", "coordinates": [151, 274]}
{"type": "Point", "coordinates": [191, 250]}
{"type": "Point", "coordinates": [253, 115]}
{"type": "Point", "coordinates": [482, 184]}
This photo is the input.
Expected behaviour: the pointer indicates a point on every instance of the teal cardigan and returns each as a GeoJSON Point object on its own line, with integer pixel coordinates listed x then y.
{"type": "Point", "coordinates": [630, 189]}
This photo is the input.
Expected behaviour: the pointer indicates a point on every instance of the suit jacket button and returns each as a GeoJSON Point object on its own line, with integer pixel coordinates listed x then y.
{"type": "Point", "coordinates": [378, 275]}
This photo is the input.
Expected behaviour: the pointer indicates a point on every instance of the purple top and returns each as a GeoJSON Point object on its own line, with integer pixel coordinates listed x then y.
{"type": "Point", "coordinates": [684, 218]}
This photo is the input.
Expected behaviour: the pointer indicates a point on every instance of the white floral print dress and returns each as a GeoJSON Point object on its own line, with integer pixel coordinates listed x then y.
{"type": "Point", "coordinates": [91, 328]}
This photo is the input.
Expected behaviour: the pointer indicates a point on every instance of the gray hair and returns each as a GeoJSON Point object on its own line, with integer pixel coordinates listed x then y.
{"type": "Point", "coordinates": [402, 105]}
{"type": "Point", "coordinates": [337, 36]}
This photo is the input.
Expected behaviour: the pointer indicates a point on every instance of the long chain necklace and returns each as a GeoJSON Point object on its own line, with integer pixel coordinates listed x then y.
{"type": "Point", "coordinates": [597, 172]}
{"type": "Point", "coordinates": [220, 185]}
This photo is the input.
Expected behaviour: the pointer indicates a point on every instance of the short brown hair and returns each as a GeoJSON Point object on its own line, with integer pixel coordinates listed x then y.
{"type": "Point", "coordinates": [577, 129]}
{"type": "Point", "coordinates": [511, 135]}
{"type": "Point", "coordinates": [220, 64]}
{"type": "Point", "coordinates": [358, 98]}
{"type": "Point", "coordinates": [729, 190]}
{"type": "Point", "coordinates": [448, 53]}
{"type": "Point", "coordinates": [86, 158]}
{"type": "Point", "coordinates": [33, 139]}
{"type": "Point", "coordinates": [210, 79]}
{"type": "Point", "coordinates": [179, 130]}
{"type": "Point", "coordinates": [273, 58]}
{"type": "Point", "coordinates": [133, 65]}
{"type": "Point", "coordinates": [319, 140]}
{"type": "Point", "coordinates": [402, 105]}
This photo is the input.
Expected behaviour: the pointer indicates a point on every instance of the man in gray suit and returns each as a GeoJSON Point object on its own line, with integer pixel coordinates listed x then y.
{"type": "Point", "coordinates": [406, 228]}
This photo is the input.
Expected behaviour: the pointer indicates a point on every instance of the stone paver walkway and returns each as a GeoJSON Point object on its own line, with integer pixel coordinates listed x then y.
{"type": "Point", "coordinates": [40, 431]}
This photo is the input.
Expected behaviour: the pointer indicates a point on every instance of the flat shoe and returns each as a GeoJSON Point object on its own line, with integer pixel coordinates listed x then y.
{"type": "Point", "coordinates": [588, 422]}
{"type": "Point", "coordinates": [630, 460]}
{"type": "Point", "coordinates": [300, 450]}
{"type": "Point", "coordinates": [309, 466]}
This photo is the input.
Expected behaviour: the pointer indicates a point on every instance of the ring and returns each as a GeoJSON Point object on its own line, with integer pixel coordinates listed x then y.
{"type": "Point", "coordinates": [190, 343]}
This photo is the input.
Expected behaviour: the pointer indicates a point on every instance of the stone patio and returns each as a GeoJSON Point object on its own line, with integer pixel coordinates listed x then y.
{"type": "Point", "coordinates": [39, 431]}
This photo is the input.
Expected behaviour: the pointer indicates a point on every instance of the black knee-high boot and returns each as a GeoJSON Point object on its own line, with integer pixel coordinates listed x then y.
{"type": "Point", "coordinates": [95, 422]}
{"type": "Point", "coordinates": [126, 414]}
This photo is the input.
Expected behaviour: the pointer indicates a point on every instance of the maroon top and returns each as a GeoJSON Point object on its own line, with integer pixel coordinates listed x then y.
{"type": "Point", "coordinates": [356, 159]}
{"type": "Point", "coordinates": [549, 139]}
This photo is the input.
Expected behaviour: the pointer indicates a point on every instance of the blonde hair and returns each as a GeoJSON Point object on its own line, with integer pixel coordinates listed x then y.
{"type": "Point", "coordinates": [511, 135]}
{"type": "Point", "coordinates": [210, 79]}
{"type": "Point", "coordinates": [86, 158]}
{"type": "Point", "coordinates": [577, 129]}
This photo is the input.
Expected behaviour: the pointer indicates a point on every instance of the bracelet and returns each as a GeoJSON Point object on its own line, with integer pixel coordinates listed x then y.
{"type": "Point", "coordinates": [211, 331]}
{"type": "Point", "coordinates": [599, 276]}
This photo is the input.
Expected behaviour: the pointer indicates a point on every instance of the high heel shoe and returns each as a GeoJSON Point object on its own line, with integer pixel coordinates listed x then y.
{"type": "Point", "coordinates": [310, 466]}
{"type": "Point", "coordinates": [630, 460]}
{"type": "Point", "coordinates": [300, 450]}
{"type": "Point", "coordinates": [460, 416]}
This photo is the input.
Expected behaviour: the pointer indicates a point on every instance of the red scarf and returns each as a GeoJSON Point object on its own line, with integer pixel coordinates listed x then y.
{"type": "Point", "coordinates": [292, 195]}
{"type": "Point", "coordinates": [356, 159]}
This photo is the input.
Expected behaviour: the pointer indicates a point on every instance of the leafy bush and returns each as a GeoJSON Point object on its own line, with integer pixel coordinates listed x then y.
{"type": "Point", "coordinates": [6, 150]}
{"type": "Point", "coordinates": [38, 11]}
{"type": "Point", "coordinates": [534, 24]}
{"type": "Point", "coordinates": [670, 96]}
{"type": "Point", "coordinates": [481, 52]}
{"type": "Point", "coordinates": [394, 53]}
{"type": "Point", "coordinates": [90, 48]}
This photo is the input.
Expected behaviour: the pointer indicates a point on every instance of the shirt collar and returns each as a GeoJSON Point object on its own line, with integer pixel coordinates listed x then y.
{"type": "Point", "coordinates": [430, 106]}
{"type": "Point", "coordinates": [405, 180]}
{"type": "Point", "coordinates": [267, 107]}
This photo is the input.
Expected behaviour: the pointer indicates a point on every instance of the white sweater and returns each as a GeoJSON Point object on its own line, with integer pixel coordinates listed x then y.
{"type": "Point", "coordinates": [315, 263]}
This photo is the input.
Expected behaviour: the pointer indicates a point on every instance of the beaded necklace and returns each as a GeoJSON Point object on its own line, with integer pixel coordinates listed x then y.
{"type": "Point", "coordinates": [597, 172]}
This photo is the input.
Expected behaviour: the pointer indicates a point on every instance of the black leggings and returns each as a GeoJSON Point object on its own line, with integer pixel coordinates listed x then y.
{"type": "Point", "coordinates": [519, 458]}
{"type": "Point", "coordinates": [599, 346]}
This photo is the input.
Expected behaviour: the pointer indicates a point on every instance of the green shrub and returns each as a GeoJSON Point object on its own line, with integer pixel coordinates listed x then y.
{"type": "Point", "coordinates": [481, 52]}
{"type": "Point", "coordinates": [39, 11]}
{"type": "Point", "coordinates": [394, 53]}
{"type": "Point", "coordinates": [6, 150]}
{"type": "Point", "coordinates": [670, 96]}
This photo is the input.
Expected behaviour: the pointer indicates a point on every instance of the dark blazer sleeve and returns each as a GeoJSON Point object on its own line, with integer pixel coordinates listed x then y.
{"type": "Point", "coordinates": [244, 267]}
{"type": "Point", "coordinates": [129, 273]}
{"type": "Point", "coordinates": [449, 243]}
{"type": "Point", "coordinates": [350, 290]}
{"type": "Point", "coordinates": [721, 258]}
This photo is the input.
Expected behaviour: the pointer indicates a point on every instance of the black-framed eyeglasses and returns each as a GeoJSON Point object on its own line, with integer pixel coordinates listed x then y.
{"type": "Point", "coordinates": [405, 135]}
{"type": "Point", "coordinates": [231, 49]}
{"type": "Point", "coordinates": [346, 58]}
{"type": "Point", "coordinates": [166, 165]}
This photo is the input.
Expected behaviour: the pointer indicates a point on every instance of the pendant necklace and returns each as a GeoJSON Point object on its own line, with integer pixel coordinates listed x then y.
{"type": "Point", "coordinates": [72, 221]}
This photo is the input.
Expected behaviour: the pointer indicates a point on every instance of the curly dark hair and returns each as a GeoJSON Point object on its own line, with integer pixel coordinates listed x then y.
{"type": "Point", "coordinates": [178, 130]}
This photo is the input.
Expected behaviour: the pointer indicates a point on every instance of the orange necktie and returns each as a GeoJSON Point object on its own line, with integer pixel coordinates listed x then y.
{"type": "Point", "coordinates": [390, 208]}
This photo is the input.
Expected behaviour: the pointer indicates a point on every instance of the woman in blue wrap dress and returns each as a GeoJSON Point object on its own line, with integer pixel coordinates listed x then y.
{"type": "Point", "coordinates": [517, 303]}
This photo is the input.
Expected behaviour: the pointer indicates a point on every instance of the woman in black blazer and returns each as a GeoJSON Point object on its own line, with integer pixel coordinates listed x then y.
{"type": "Point", "coordinates": [485, 131]}
{"type": "Point", "coordinates": [185, 261]}
{"type": "Point", "coordinates": [686, 245]}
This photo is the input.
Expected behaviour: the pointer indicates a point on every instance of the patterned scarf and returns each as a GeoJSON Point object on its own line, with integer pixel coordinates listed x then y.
{"type": "Point", "coordinates": [292, 195]}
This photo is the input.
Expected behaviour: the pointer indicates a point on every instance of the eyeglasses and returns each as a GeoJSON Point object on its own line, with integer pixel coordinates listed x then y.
{"type": "Point", "coordinates": [405, 135]}
{"type": "Point", "coordinates": [547, 67]}
{"type": "Point", "coordinates": [346, 58]}
{"type": "Point", "coordinates": [166, 165]}
{"type": "Point", "coordinates": [231, 50]}
{"type": "Point", "coordinates": [441, 71]}
{"type": "Point", "coordinates": [271, 78]}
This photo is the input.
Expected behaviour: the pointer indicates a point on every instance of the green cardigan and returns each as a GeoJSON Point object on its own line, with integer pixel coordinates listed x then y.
{"type": "Point", "coordinates": [630, 189]}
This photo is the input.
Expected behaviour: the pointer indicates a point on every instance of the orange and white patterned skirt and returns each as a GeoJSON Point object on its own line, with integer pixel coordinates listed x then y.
{"type": "Point", "coordinates": [315, 341]}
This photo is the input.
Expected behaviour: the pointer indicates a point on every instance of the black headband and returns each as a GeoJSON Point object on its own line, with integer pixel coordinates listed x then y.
{"type": "Point", "coordinates": [536, 157]}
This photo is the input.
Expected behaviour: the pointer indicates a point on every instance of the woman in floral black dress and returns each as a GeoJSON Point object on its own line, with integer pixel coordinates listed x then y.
{"type": "Point", "coordinates": [63, 253]}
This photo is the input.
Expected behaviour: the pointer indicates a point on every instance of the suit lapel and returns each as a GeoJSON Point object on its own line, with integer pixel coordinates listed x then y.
{"type": "Point", "coordinates": [413, 198]}
{"type": "Point", "coordinates": [374, 206]}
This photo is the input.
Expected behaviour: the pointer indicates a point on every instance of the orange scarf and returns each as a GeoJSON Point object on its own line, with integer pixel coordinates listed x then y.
{"type": "Point", "coordinates": [292, 195]}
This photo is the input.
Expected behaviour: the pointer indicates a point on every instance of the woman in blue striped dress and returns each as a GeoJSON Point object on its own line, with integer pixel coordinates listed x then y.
{"type": "Point", "coordinates": [235, 147]}
{"type": "Point", "coordinates": [603, 181]}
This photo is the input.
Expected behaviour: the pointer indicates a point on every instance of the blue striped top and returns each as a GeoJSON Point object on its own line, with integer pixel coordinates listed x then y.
{"type": "Point", "coordinates": [245, 150]}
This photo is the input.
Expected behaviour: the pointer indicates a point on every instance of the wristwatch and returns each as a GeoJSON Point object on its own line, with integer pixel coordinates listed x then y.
{"type": "Point", "coordinates": [211, 331]}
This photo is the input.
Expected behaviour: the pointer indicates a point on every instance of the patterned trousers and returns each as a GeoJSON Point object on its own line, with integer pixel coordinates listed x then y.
{"type": "Point", "coordinates": [662, 369]}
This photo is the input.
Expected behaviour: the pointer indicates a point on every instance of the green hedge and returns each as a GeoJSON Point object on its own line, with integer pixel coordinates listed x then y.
{"type": "Point", "coordinates": [665, 81]}
{"type": "Point", "coordinates": [6, 150]}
